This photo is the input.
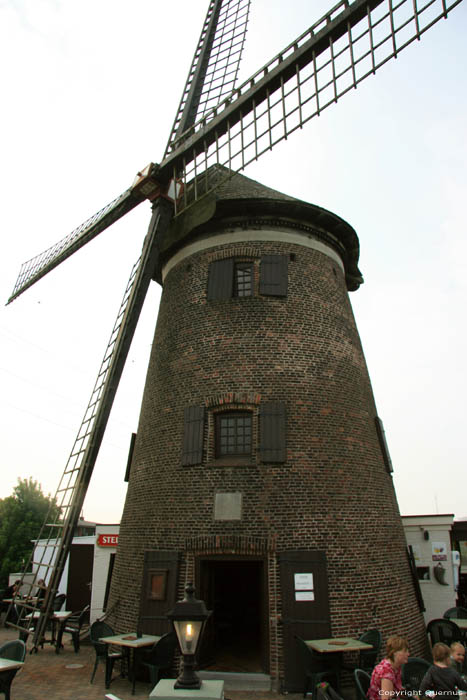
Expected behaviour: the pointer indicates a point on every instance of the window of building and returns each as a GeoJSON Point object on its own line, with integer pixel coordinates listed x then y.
{"type": "Point", "coordinates": [229, 278]}
{"type": "Point", "coordinates": [233, 434]}
{"type": "Point", "coordinates": [243, 279]}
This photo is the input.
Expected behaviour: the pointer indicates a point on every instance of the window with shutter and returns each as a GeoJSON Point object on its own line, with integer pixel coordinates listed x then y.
{"type": "Point", "coordinates": [273, 278]}
{"type": "Point", "coordinates": [272, 432]}
{"type": "Point", "coordinates": [192, 450]}
{"type": "Point", "coordinates": [383, 444]}
{"type": "Point", "coordinates": [234, 434]}
{"type": "Point", "coordinates": [220, 280]}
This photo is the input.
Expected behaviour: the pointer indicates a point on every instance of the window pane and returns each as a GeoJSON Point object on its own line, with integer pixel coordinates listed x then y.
{"type": "Point", "coordinates": [243, 279]}
{"type": "Point", "coordinates": [233, 434]}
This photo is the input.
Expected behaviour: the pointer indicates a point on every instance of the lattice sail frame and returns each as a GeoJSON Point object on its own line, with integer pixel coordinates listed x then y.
{"type": "Point", "coordinates": [328, 60]}
{"type": "Point", "coordinates": [221, 69]}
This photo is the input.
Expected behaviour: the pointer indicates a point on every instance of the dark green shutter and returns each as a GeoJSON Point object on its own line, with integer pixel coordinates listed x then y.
{"type": "Point", "coordinates": [192, 451]}
{"type": "Point", "coordinates": [220, 280]}
{"type": "Point", "coordinates": [272, 432]}
{"type": "Point", "coordinates": [273, 275]}
{"type": "Point", "coordinates": [383, 444]}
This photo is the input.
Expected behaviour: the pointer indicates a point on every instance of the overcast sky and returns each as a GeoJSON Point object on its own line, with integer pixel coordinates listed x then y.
{"type": "Point", "coordinates": [89, 93]}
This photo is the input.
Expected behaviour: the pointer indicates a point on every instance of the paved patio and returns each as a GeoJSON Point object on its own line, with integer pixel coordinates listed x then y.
{"type": "Point", "coordinates": [65, 676]}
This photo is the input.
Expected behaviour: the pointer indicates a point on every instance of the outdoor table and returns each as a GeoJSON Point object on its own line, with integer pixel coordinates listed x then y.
{"type": "Point", "coordinates": [337, 644]}
{"type": "Point", "coordinates": [9, 665]}
{"type": "Point", "coordinates": [461, 623]}
{"type": "Point", "coordinates": [130, 643]}
{"type": "Point", "coordinates": [58, 617]}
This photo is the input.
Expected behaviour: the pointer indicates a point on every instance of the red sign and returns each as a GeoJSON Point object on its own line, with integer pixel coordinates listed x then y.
{"type": "Point", "coordinates": [107, 540]}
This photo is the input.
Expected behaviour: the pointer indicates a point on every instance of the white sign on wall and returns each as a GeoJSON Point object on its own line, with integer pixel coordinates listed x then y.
{"type": "Point", "coordinates": [303, 584]}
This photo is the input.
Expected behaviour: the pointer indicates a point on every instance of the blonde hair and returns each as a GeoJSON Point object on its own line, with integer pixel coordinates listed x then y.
{"type": "Point", "coordinates": [394, 644]}
{"type": "Point", "coordinates": [441, 652]}
{"type": "Point", "coordinates": [454, 646]}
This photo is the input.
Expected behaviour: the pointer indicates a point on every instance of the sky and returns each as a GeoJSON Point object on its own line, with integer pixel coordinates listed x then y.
{"type": "Point", "coordinates": [90, 89]}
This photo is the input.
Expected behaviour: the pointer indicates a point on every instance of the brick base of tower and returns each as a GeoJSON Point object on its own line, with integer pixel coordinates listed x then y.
{"type": "Point", "coordinates": [313, 505]}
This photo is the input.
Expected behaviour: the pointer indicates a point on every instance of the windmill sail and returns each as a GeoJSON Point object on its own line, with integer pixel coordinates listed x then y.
{"type": "Point", "coordinates": [49, 565]}
{"type": "Point", "coordinates": [32, 270]}
{"type": "Point", "coordinates": [214, 70]}
{"type": "Point", "coordinates": [332, 57]}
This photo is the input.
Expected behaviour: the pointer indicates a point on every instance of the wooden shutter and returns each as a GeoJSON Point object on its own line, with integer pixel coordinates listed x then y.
{"type": "Point", "coordinates": [383, 444]}
{"type": "Point", "coordinates": [220, 280]}
{"type": "Point", "coordinates": [158, 590]}
{"type": "Point", "coordinates": [192, 450]}
{"type": "Point", "coordinates": [305, 610]}
{"type": "Point", "coordinates": [272, 432]}
{"type": "Point", "coordinates": [130, 457]}
{"type": "Point", "coordinates": [273, 275]}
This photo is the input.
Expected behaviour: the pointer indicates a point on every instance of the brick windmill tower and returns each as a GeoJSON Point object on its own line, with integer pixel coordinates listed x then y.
{"type": "Point", "coordinates": [259, 468]}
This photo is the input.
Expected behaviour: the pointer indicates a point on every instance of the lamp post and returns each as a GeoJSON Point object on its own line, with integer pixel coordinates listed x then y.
{"type": "Point", "coordinates": [188, 618]}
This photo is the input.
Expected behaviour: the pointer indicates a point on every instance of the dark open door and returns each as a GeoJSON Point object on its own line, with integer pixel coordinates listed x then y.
{"type": "Point", "coordinates": [158, 590]}
{"type": "Point", "coordinates": [305, 607]}
{"type": "Point", "coordinates": [80, 563]}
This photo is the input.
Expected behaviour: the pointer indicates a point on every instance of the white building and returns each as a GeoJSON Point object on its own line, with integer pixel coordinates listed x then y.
{"type": "Point", "coordinates": [430, 539]}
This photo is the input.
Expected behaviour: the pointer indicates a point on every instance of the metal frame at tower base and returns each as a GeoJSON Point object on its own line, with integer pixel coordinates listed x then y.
{"type": "Point", "coordinates": [75, 480]}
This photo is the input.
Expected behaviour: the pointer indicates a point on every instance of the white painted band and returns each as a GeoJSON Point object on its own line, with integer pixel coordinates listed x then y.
{"type": "Point", "coordinates": [271, 236]}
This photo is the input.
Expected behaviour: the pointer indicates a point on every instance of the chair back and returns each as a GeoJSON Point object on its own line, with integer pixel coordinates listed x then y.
{"type": "Point", "coordinates": [456, 613]}
{"type": "Point", "coordinates": [14, 650]}
{"type": "Point", "coordinates": [76, 620]}
{"type": "Point", "coordinates": [443, 630]}
{"type": "Point", "coordinates": [309, 661]}
{"type": "Point", "coordinates": [413, 672]}
{"type": "Point", "coordinates": [58, 602]}
{"type": "Point", "coordinates": [362, 683]}
{"type": "Point", "coordinates": [162, 652]}
{"type": "Point", "coordinates": [98, 630]}
{"type": "Point", "coordinates": [368, 657]}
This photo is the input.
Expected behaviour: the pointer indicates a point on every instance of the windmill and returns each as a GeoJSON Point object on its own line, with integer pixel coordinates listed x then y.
{"type": "Point", "coordinates": [235, 147]}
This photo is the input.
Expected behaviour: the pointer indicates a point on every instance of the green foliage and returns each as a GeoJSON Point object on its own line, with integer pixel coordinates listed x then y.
{"type": "Point", "coordinates": [21, 517]}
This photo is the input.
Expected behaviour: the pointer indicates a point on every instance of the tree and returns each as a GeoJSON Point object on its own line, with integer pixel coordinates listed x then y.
{"type": "Point", "coordinates": [21, 517]}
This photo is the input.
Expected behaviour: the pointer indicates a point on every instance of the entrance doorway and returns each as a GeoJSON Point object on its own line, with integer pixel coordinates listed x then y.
{"type": "Point", "coordinates": [236, 635]}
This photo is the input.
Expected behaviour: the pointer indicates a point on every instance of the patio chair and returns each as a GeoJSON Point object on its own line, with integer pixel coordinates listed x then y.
{"type": "Point", "coordinates": [413, 672]}
{"type": "Point", "coordinates": [367, 657]}
{"type": "Point", "coordinates": [74, 624]}
{"type": "Point", "coordinates": [314, 668]}
{"type": "Point", "coordinates": [443, 630]}
{"type": "Point", "coordinates": [15, 651]}
{"type": "Point", "coordinates": [59, 600]}
{"type": "Point", "coordinates": [362, 683]}
{"type": "Point", "coordinates": [159, 657]}
{"type": "Point", "coordinates": [98, 630]}
{"type": "Point", "coordinates": [453, 613]}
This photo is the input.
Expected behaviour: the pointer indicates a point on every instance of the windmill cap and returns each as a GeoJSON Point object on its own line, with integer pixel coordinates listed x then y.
{"type": "Point", "coordinates": [225, 191]}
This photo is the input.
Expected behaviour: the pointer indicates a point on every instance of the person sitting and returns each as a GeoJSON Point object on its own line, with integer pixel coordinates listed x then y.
{"type": "Point", "coordinates": [386, 679]}
{"type": "Point", "coordinates": [441, 678]}
{"type": "Point", "coordinates": [457, 657]}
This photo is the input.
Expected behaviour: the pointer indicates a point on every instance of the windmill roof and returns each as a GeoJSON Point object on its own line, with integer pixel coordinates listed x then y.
{"type": "Point", "coordinates": [226, 188]}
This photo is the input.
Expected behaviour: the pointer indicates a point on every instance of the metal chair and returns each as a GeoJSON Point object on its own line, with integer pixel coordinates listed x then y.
{"type": "Point", "coordinates": [59, 600]}
{"type": "Point", "coordinates": [362, 683]}
{"type": "Point", "coordinates": [15, 651]}
{"type": "Point", "coordinates": [98, 630]}
{"type": "Point", "coordinates": [413, 672]}
{"type": "Point", "coordinates": [159, 657]}
{"type": "Point", "coordinates": [443, 630]}
{"type": "Point", "coordinates": [315, 669]}
{"type": "Point", "coordinates": [367, 657]}
{"type": "Point", "coordinates": [74, 624]}
{"type": "Point", "coordinates": [456, 613]}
